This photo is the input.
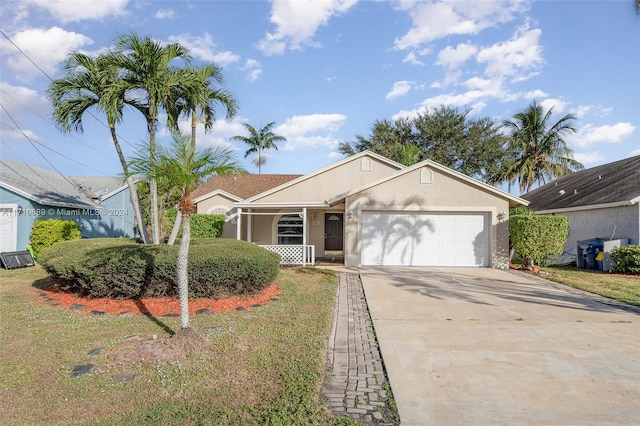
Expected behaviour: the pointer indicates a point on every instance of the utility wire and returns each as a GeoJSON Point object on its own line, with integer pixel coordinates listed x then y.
{"type": "Point", "coordinates": [36, 148]}
{"type": "Point", "coordinates": [5, 93]}
{"type": "Point", "coordinates": [51, 79]}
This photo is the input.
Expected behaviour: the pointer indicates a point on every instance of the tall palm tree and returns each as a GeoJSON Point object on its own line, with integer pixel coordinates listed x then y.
{"type": "Point", "coordinates": [88, 84]}
{"type": "Point", "coordinates": [259, 140]}
{"type": "Point", "coordinates": [186, 169]}
{"type": "Point", "coordinates": [146, 67]}
{"type": "Point", "coordinates": [198, 95]}
{"type": "Point", "coordinates": [537, 149]}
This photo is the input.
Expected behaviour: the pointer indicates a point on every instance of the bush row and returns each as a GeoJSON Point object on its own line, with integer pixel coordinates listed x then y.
{"type": "Point", "coordinates": [626, 259]}
{"type": "Point", "coordinates": [121, 269]}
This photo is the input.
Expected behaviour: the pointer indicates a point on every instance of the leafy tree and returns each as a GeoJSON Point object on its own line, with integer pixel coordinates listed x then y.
{"type": "Point", "coordinates": [259, 140]}
{"type": "Point", "coordinates": [472, 146]}
{"type": "Point", "coordinates": [186, 169]}
{"type": "Point", "coordinates": [146, 68]}
{"type": "Point", "coordinates": [89, 83]}
{"type": "Point", "coordinates": [536, 149]}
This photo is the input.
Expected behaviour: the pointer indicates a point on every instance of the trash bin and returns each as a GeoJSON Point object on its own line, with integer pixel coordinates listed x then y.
{"type": "Point", "coordinates": [587, 252]}
{"type": "Point", "coordinates": [600, 261]}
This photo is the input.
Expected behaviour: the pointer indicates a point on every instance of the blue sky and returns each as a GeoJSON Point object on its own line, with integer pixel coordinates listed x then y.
{"type": "Point", "coordinates": [324, 71]}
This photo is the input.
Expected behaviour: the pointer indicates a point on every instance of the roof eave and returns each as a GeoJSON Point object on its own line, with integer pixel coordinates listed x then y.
{"type": "Point", "coordinates": [590, 207]}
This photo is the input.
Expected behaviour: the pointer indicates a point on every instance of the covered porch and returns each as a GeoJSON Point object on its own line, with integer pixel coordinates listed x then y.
{"type": "Point", "coordinates": [303, 234]}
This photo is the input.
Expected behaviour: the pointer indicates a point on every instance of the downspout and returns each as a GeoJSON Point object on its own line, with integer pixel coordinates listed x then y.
{"type": "Point", "coordinates": [239, 226]}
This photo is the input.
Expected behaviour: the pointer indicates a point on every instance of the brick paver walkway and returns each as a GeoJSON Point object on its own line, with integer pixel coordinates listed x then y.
{"type": "Point", "coordinates": [356, 385]}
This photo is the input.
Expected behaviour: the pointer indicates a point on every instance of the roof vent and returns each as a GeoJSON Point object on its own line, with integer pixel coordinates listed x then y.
{"type": "Point", "coordinates": [575, 191]}
{"type": "Point", "coordinates": [599, 177]}
{"type": "Point", "coordinates": [561, 192]}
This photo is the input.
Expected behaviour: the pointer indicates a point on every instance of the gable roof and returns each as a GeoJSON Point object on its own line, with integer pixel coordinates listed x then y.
{"type": "Point", "coordinates": [513, 200]}
{"type": "Point", "coordinates": [53, 189]}
{"type": "Point", "coordinates": [239, 186]}
{"type": "Point", "coordinates": [325, 169]}
{"type": "Point", "coordinates": [608, 185]}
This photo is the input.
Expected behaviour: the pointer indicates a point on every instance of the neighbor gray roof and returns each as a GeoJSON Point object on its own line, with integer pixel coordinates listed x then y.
{"type": "Point", "coordinates": [50, 188]}
{"type": "Point", "coordinates": [616, 183]}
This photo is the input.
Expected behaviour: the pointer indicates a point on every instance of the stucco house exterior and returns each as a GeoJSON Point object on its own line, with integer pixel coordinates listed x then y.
{"type": "Point", "coordinates": [100, 205]}
{"type": "Point", "coordinates": [602, 202]}
{"type": "Point", "coordinates": [370, 211]}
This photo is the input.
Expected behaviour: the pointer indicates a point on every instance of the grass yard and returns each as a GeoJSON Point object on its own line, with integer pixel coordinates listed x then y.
{"type": "Point", "coordinates": [262, 365]}
{"type": "Point", "coordinates": [624, 288]}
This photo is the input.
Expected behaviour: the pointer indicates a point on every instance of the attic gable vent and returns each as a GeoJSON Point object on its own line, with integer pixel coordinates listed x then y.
{"type": "Point", "coordinates": [366, 165]}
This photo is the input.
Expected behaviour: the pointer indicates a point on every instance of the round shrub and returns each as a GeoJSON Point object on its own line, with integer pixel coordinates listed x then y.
{"type": "Point", "coordinates": [122, 269]}
{"type": "Point", "coordinates": [47, 232]}
{"type": "Point", "coordinates": [626, 259]}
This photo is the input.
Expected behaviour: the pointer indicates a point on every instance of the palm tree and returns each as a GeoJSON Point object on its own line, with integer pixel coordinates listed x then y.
{"type": "Point", "coordinates": [186, 169]}
{"type": "Point", "coordinates": [89, 83]}
{"type": "Point", "coordinates": [146, 67]}
{"type": "Point", "coordinates": [537, 151]}
{"type": "Point", "coordinates": [259, 140]}
{"type": "Point", "coordinates": [197, 94]}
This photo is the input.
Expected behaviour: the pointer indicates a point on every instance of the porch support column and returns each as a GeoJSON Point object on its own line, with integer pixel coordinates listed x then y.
{"type": "Point", "coordinates": [239, 226]}
{"type": "Point", "coordinates": [304, 236]}
{"type": "Point", "coordinates": [249, 225]}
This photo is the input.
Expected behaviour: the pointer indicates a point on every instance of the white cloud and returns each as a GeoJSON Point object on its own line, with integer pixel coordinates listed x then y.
{"type": "Point", "coordinates": [588, 158]}
{"type": "Point", "coordinates": [297, 22]}
{"type": "Point", "coordinates": [45, 47]}
{"type": "Point", "coordinates": [400, 88]}
{"type": "Point", "coordinates": [559, 106]}
{"type": "Point", "coordinates": [253, 68]}
{"type": "Point", "coordinates": [23, 102]}
{"type": "Point", "coordinates": [412, 59]}
{"type": "Point", "coordinates": [165, 14]}
{"type": "Point", "coordinates": [203, 47]}
{"type": "Point", "coordinates": [313, 130]}
{"type": "Point", "coordinates": [535, 94]}
{"type": "Point", "coordinates": [78, 10]}
{"type": "Point", "coordinates": [634, 152]}
{"type": "Point", "coordinates": [435, 20]}
{"type": "Point", "coordinates": [513, 57]}
{"type": "Point", "coordinates": [591, 135]}
{"type": "Point", "coordinates": [453, 57]}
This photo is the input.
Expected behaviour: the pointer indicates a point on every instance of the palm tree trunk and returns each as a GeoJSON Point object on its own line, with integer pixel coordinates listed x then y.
{"type": "Point", "coordinates": [182, 269]}
{"type": "Point", "coordinates": [133, 192]}
{"type": "Point", "coordinates": [153, 185]}
{"type": "Point", "coordinates": [175, 229]}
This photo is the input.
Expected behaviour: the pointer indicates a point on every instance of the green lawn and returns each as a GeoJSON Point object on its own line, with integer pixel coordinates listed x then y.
{"type": "Point", "coordinates": [624, 288]}
{"type": "Point", "coordinates": [262, 366]}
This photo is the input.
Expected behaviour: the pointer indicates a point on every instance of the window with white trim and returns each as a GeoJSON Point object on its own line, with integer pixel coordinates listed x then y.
{"type": "Point", "coordinates": [290, 229]}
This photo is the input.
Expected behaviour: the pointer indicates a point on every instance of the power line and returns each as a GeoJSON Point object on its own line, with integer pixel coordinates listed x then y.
{"type": "Point", "coordinates": [36, 148]}
{"type": "Point", "coordinates": [49, 122]}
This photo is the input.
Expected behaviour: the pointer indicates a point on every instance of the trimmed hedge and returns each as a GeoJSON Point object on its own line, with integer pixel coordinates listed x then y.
{"type": "Point", "coordinates": [626, 260]}
{"type": "Point", "coordinates": [538, 239]}
{"type": "Point", "coordinates": [47, 232]}
{"type": "Point", "coordinates": [202, 225]}
{"type": "Point", "coordinates": [121, 269]}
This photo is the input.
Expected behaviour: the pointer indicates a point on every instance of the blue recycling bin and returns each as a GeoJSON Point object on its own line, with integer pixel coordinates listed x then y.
{"type": "Point", "coordinates": [588, 251]}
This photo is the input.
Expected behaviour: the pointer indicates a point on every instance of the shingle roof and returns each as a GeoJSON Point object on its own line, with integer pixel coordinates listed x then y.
{"type": "Point", "coordinates": [52, 189]}
{"type": "Point", "coordinates": [242, 186]}
{"type": "Point", "coordinates": [617, 182]}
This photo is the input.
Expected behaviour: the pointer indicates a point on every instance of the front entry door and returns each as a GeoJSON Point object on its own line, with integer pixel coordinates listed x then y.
{"type": "Point", "coordinates": [333, 231]}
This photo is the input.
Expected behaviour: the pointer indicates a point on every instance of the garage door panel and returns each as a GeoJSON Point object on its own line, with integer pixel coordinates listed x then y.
{"type": "Point", "coordinates": [425, 239]}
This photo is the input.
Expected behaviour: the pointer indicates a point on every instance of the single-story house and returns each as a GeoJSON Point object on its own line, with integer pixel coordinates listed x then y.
{"type": "Point", "coordinates": [368, 210]}
{"type": "Point", "coordinates": [602, 203]}
{"type": "Point", "coordinates": [100, 205]}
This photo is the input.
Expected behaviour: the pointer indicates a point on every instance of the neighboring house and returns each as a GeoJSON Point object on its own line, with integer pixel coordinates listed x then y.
{"type": "Point", "coordinates": [601, 203]}
{"type": "Point", "coordinates": [100, 205]}
{"type": "Point", "coordinates": [368, 210]}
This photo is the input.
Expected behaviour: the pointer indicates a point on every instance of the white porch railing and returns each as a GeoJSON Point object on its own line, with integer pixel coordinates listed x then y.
{"type": "Point", "coordinates": [294, 254]}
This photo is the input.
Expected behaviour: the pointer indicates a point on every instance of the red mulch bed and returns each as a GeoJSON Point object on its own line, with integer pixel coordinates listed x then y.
{"type": "Point", "coordinates": [155, 306]}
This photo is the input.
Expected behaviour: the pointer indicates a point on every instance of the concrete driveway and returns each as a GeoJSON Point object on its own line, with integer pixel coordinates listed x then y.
{"type": "Point", "coordinates": [479, 346]}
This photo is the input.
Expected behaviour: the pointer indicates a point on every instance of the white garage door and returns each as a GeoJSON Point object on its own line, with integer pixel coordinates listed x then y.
{"type": "Point", "coordinates": [425, 239]}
